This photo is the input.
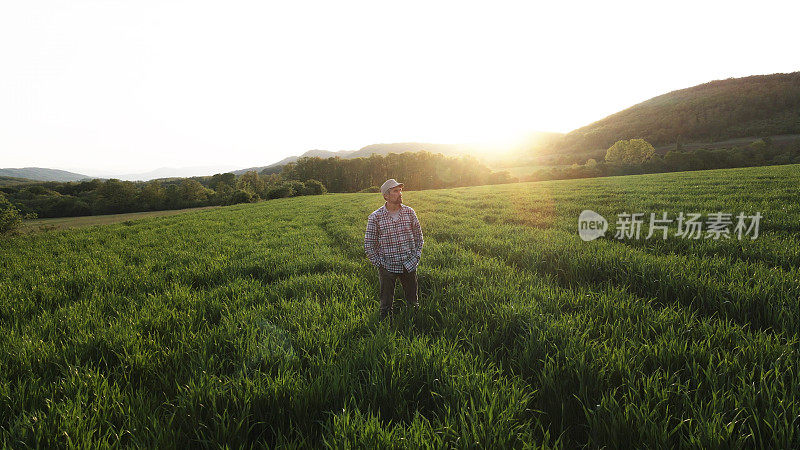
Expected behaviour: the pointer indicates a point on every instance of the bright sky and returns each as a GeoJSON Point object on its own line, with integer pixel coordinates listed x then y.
{"type": "Point", "coordinates": [127, 86]}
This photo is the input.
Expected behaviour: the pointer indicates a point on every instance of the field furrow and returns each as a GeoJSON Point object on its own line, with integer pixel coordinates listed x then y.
{"type": "Point", "coordinates": [257, 324]}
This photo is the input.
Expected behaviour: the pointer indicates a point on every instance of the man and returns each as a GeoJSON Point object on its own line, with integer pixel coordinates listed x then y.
{"type": "Point", "coordinates": [393, 243]}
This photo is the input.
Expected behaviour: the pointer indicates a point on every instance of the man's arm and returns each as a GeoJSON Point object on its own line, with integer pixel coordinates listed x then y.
{"type": "Point", "coordinates": [371, 241]}
{"type": "Point", "coordinates": [416, 230]}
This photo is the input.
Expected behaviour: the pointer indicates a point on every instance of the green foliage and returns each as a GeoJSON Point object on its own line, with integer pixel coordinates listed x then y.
{"type": "Point", "coordinates": [310, 176]}
{"type": "Point", "coordinates": [54, 199]}
{"type": "Point", "coordinates": [241, 196]}
{"type": "Point", "coordinates": [297, 187]}
{"type": "Point", "coordinates": [153, 196]}
{"type": "Point", "coordinates": [255, 325]}
{"type": "Point", "coordinates": [501, 177]}
{"type": "Point", "coordinates": [633, 151]}
{"type": "Point", "coordinates": [10, 217]}
{"type": "Point", "coordinates": [281, 190]}
{"type": "Point", "coordinates": [253, 183]}
{"type": "Point", "coordinates": [758, 153]}
{"type": "Point", "coordinates": [227, 179]}
{"type": "Point", "coordinates": [759, 145]}
{"type": "Point", "coordinates": [115, 196]}
{"type": "Point", "coordinates": [736, 107]}
{"type": "Point", "coordinates": [193, 194]}
{"type": "Point", "coordinates": [314, 187]}
{"type": "Point", "coordinates": [418, 170]}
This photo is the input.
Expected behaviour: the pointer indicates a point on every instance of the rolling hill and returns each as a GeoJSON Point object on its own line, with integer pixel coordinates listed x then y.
{"type": "Point", "coordinates": [169, 172]}
{"type": "Point", "coordinates": [42, 174]}
{"type": "Point", "coordinates": [380, 149]}
{"type": "Point", "coordinates": [290, 159]}
{"type": "Point", "coordinates": [11, 181]}
{"type": "Point", "coordinates": [761, 105]}
{"type": "Point", "coordinates": [538, 138]}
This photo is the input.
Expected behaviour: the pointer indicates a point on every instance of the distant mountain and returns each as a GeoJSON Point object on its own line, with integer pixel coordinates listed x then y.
{"type": "Point", "coordinates": [171, 172]}
{"type": "Point", "coordinates": [758, 105]}
{"type": "Point", "coordinates": [249, 169]}
{"type": "Point", "coordinates": [11, 181]}
{"type": "Point", "coordinates": [383, 149]}
{"type": "Point", "coordinates": [42, 174]}
{"type": "Point", "coordinates": [402, 147]}
{"type": "Point", "coordinates": [328, 153]}
{"type": "Point", "coordinates": [163, 173]}
{"type": "Point", "coordinates": [290, 159]}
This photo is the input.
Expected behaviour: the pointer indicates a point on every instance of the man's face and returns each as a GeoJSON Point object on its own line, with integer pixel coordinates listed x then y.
{"type": "Point", "coordinates": [395, 195]}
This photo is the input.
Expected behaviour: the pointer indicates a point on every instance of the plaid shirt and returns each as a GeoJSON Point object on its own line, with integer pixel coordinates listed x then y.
{"type": "Point", "coordinates": [394, 244]}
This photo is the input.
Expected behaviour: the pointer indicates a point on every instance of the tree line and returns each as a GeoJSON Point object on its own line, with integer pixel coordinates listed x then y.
{"type": "Point", "coordinates": [418, 170]}
{"type": "Point", "coordinates": [308, 176]}
{"type": "Point", "coordinates": [642, 159]}
{"type": "Point", "coordinates": [113, 196]}
{"type": "Point", "coordinates": [752, 106]}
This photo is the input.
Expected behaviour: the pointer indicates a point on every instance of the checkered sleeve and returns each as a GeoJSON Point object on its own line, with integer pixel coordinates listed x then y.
{"type": "Point", "coordinates": [371, 241]}
{"type": "Point", "coordinates": [416, 229]}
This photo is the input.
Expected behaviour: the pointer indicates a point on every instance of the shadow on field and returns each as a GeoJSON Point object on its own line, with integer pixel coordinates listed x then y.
{"type": "Point", "coordinates": [260, 272]}
{"type": "Point", "coordinates": [649, 279]}
{"type": "Point", "coordinates": [732, 250]}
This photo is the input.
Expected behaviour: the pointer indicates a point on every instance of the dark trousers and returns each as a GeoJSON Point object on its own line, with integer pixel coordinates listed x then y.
{"type": "Point", "coordinates": [387, 283]}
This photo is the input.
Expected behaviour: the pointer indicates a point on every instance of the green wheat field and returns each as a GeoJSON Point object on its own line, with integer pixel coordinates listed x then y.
{"type": "Point", "coordinates": [256, 324]}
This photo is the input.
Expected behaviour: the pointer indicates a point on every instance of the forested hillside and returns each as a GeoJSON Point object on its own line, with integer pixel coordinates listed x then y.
{"type": "Point", "coordinates": [762, 105]}
{"type": "Point", "coordinates": [42, 174]}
